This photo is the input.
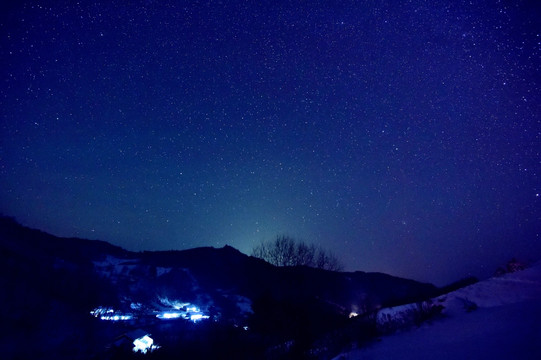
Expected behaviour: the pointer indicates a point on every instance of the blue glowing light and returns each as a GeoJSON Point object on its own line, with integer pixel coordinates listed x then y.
{"type": "Point", "coordinates": [143, 344]}
{"type": "Point", "coordinates": [169, 315]}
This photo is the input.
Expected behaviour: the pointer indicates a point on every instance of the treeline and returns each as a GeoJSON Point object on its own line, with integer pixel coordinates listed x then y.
{"type": "Point", "coordinates": [284, 251]}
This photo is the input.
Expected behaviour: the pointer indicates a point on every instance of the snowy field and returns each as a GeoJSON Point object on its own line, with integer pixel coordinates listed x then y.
{"type": "Point", "coordinates": [505, 325]}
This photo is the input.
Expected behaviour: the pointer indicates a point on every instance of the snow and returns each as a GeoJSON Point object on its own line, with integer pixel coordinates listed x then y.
{"type": "Point", "coordinates": [507, 289]}
{"type": "Point", "coordinates": [110, 260]}
{"type": "Point", "coordinates": [244, 304]}
{"type": "Point", "coordinates": [162, 271]}
{"type": "Point", "coordinates": [397, 314]}
{"type": "Point", "coordinates": [505, 325]}
{"type": "Point", "coordinates": [113, 267]}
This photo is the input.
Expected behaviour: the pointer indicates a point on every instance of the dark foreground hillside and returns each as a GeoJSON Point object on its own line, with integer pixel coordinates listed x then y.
{"type": "Point", "coordinates": [198, 303]}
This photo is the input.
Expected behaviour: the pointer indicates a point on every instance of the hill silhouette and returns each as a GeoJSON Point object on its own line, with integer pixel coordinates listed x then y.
{"type": "Point", "coordinates": [50, 285]}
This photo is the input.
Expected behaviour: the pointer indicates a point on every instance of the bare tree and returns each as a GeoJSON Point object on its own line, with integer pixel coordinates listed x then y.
{"type": "Point", "coordinates": [305, 254]}
{"type": "Point", "coordinates": [327, 260]}
{"type": "Point", "coordinates": [284, 251]}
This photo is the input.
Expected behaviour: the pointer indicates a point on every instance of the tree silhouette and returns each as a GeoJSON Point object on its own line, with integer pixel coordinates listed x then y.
{"type": "Point", "coordinates": [284, 251]}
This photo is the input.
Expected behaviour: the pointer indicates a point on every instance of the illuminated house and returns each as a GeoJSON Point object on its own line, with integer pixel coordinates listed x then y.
{"type": "Point", "coordinates": [143, 344]}
{"type": "Point", "coordinates": [139, 339]}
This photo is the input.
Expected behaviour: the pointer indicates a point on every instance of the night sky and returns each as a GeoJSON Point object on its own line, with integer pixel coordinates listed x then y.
{"type": "Point", "coordinates": [403, 136]}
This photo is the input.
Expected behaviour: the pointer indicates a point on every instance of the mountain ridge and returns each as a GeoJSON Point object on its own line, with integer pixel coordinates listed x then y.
{"type": "Point", "coordinates": [225, 262]}
{"type": "Point", "coordinates": [46, 277]}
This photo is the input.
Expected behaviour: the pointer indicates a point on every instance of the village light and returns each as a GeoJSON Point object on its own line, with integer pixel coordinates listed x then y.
{"type": "Point", "coordinates": [168, 315]}
{"type": "Point", "coordinates": [197, 317]}
{"type": "Point", "coordinates": [143, 344]}
{"type": "Point", "coordinates": [140, 339]}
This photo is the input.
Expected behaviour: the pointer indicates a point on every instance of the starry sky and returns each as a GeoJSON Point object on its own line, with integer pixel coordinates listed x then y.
{"type": "Point", "coordinates": [403, 136]}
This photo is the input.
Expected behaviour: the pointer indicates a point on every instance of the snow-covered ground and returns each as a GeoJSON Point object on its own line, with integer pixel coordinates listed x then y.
{"type": "Point", "coordinates": [505, 325]}
{"type": "Point", "coordinates": [112, 266]}
{"type": "Point", "coordinates": [163, 270]}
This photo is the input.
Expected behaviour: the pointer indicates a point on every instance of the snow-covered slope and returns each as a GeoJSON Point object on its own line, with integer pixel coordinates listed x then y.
{"type": "Point", "coordinates": [497, 291]}
{"type": "Point", "coordinates": [505, 325]}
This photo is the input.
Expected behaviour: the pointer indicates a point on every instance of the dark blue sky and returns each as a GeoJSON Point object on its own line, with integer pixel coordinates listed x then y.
{"type": "Point", "coordinates": [404, 137]}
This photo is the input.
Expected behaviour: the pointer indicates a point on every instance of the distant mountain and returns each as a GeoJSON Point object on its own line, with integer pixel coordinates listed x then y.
{"type": "Point", "coordinates": [50, 284]}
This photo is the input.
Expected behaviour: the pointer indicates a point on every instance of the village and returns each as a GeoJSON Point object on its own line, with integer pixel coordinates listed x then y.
{"type": "Point", "coordinates": [140, 316]}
